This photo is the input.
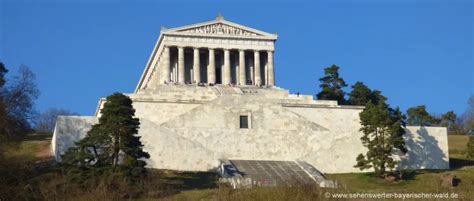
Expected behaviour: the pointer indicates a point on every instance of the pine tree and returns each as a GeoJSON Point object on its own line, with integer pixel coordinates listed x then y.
{"type": "Point", "coordinates": [418, 116]}
{"type": "Point", "coordinates": [450, 121]}
{"type": "Point", "coordinates": [383, 135]}
{"type": "Point", "coordinates": [111, 144]}
{"type": "Point", "coordinates": [361, 95]}
{"type": "Point", "coordinates": [331, 85]}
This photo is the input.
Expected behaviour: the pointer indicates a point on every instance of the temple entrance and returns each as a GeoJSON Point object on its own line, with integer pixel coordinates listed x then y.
{"type": "Point", "coordinates": [218, 75]}
{"type": "Point", "coordinates": [203, 57]}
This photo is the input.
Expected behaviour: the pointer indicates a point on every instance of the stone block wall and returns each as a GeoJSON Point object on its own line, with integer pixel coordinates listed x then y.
{"type": "Point", "coordinates": [194, 135]}
{"type": "Point", "coordinates": [69, 129]}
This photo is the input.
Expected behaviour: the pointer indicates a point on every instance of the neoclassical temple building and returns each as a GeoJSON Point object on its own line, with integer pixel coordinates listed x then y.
{"type": "Point", "coordinates": [212, 53]}
{"type": "Point", "coordinates": [208, 94]}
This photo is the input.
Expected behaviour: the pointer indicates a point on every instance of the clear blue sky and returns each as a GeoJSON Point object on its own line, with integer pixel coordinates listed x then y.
{"type": "Point", "coordinates": [415, 52]}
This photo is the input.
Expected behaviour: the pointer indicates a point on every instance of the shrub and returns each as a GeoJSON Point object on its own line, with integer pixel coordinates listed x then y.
{"type": "Point", "coordinates": [470, 147]}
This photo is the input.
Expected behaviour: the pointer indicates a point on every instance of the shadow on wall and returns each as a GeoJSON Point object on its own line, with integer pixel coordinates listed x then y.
{"type": "Point", "coordinates": [70, 129]}
{"type": "Point", "coordinates": [423, 152]}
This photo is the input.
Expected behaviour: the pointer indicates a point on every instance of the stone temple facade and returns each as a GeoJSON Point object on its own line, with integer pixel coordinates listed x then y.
{"type": "Point", "coordinates": [208, 94]}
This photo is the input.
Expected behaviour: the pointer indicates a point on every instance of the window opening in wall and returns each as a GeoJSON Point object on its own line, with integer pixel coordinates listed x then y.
{"type": "Point", "coordinates": [244, 121]}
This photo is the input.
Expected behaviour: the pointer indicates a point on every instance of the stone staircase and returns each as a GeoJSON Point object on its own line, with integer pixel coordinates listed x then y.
{"type": "Point", "coordinates": [224, 90]}
{"type": "Point", "coordinates": [317, 175]}
{"type": "Point", "coordinates": [250, 173]}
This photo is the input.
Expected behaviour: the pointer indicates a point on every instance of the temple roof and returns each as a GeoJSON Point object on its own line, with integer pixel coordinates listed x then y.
{"type": "Point", "coordinates": [218, 27]}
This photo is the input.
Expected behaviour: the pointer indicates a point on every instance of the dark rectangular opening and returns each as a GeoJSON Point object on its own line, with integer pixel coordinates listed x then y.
{"type": "Point", "coordinates": [244, 121]}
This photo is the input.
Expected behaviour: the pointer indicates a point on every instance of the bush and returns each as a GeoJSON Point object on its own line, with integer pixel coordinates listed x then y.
{"type": "Point", "coordinates": [57, 186]}
{"type": "Point", "coordinates": [470, 147]}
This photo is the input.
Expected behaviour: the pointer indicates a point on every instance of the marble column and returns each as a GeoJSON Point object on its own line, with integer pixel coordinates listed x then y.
{"type": "Point", "coordinates": [227, 76]}
{"type": "Point", "coordinates": [166, 65]}
{"type": "Point", "coordinates": [181, 65]}
{"type": "Point", "coordinates": [242, 77]}
{"type": "Point", "coordinates": [197, 66]}
{"type": "Point", "coordinates": [270, 71]}
{"type": "Point", "coordinates": [235, 68]}
{"type": "Point", "coordinates": [211, 68]}
{"type": "Point", "coordinates": [258, 78]}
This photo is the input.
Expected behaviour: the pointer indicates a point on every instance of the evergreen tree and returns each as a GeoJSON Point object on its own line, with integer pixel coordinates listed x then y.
{"type": "Point", "coordinates": [448, 118]}
{"type": "Point", "coordinates": [470, 147]}
{"type": "Point", "coordinates": [111, 144]}
{"type": "Point", "coordinates": [3, 71]}
{"type": "Point", "coordinates": [4, 125]}
{"type": "Point", "coordinates": [361, 95]}
{"type": "Point", "coordinates": [383, 135]}
{"type": "Point", "coordinates": [418, 116]}
{"type": "Point", "coordinates": [450, 121]}
{"type": "Point", "coordinates": [331, 85]}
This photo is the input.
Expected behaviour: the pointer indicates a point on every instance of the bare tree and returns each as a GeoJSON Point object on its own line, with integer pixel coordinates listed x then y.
{"type": "Point", "coordinates": [20, 95]}
{"type": "Point", "coordinates": [46, 121]}
{"type": "Point", "coordinates": [467, 117]}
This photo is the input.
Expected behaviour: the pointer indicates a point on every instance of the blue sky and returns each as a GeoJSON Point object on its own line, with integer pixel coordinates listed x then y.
{"type": "Point", "coordinates": [415, 52]}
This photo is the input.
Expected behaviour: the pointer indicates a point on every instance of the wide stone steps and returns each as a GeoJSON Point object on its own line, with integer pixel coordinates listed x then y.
{"type": "Point", "coordinates": [249, 173]}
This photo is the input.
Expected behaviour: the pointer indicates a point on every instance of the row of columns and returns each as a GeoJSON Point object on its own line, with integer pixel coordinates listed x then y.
{"type": "Point", "coordinates": [211, 67]}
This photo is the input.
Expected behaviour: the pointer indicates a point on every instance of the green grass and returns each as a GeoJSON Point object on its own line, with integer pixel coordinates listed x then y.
{"type": "Point", "coordinates": [34, 147]}
{"type": "Point", "coordinates": [25, 150]}
{"type": "Point", "coordinates": [457, 141]}
{"type": "Point", "coordinates": [457, 146]}
{"type": "Point", "coordinates": [457, 151]}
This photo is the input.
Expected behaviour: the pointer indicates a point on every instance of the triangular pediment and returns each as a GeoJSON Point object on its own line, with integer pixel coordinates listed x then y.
{"type": "Point", "coordinates": [219, 27]}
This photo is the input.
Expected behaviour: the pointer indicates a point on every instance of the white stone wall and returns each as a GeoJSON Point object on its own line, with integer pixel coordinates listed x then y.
{"type": "Point", "coordinates": [427, 148]}
{"type": "Point", "coordinates": [69, 129]}
{"type": "Point", "coordinates": [159, 112]}
{"type": "Point", "coordinates": [193, 135]}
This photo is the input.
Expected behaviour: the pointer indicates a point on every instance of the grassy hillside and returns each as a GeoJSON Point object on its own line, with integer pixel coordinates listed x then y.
{"type": "Point", "coordinates": [34, 147]}
{"type": "Point", "coordinates": [37, 182]}
{"type": "Point", "coordinates": [457, 145]}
